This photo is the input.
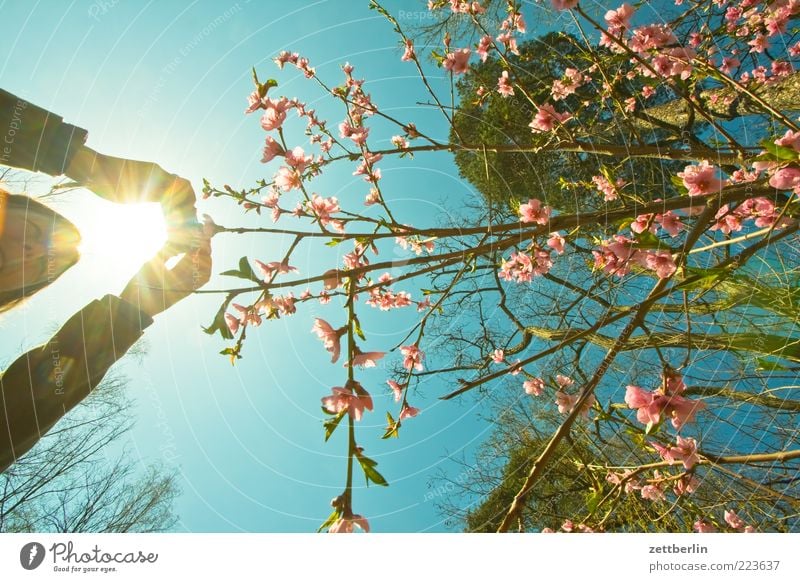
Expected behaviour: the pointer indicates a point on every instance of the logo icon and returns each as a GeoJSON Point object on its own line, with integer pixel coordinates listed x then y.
{"type": "Point", "coordinates": [31, 555]}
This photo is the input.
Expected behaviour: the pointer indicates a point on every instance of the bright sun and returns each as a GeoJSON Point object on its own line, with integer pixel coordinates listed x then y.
{"type": "Point", "coordinates": [130, 234]}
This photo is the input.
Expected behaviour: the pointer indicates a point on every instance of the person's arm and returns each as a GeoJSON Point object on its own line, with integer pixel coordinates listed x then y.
{"type": "Point", "coordinates": [42, 385]}
{"type": "Point", "coordinates": [32, 138]}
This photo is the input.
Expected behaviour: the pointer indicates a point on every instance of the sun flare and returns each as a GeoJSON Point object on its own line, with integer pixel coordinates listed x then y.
{"type": "Point", "coordinates": [131, 234]}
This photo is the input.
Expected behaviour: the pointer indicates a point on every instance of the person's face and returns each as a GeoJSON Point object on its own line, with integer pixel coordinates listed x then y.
{"type": "Point", "coordinates": [31, 252]}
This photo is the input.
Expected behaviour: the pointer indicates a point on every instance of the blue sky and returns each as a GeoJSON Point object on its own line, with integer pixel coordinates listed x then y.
{"type": "Point", "coordinates": [167, 82]}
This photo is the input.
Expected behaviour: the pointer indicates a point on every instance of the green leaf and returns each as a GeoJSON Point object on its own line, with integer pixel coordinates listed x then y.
{"type": "Point", "coordinates": [593, 499]}
{"type": "Point", "coordinates": [765, 364]}
{"type": "Point", "coordinates": [330, 425]}
{"type": "Point", "coordinates": [358, 330]}
{"type": "Point", "coordinates": [219, 324]}
{"type": "Point", "coordinates": [647, 240]}
{"type": "Point", "coordinates": [370, 472]}
{"type": "Point", "coordinates": [708, 277]}
{"type": "Point", "coordinates": [392, 428]}
{"type": "Point", "coordinates": [232, 353]}
{"type": "Point", "coordinates": [329, 522]}
{"type": "Point", "coordinates": [333, 242]}
{"type": "Point", "coordinates": [625, 224]}
{"type": "Point", "coordinates": [778, 152]}
{"type": "Point", "coordinates": [245, 271]}
{"type": "Point", "coordinates": [679, 185]}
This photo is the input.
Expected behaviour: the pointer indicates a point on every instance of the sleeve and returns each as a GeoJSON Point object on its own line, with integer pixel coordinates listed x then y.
{"type": "Point", "coordinates": [34, 139]}
{"type": "Point", "coordinates": [41, 386]}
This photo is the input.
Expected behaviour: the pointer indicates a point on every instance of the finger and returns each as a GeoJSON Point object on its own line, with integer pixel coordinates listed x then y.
{"type": "Point", "coordinates": [194, 269]}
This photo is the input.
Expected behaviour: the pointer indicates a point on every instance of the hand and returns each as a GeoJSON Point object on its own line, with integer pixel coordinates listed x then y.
{"type": "Point", "coordinates": [155, 288]}
{"type": "Point", "coordinates": [121, 180]}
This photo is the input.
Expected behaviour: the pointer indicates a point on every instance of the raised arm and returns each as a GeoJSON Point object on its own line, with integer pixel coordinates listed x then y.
{"type": "Point", "coordinates": [34, 139]}
{"type": "Point", "coordinates": [42, 385]}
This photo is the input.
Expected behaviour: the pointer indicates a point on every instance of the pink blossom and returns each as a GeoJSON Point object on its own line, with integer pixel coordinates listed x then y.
{"type": "Point", "coordinates": [759, 44]}
{"type": "Point", "coordinates": [688, 483]}
{"type": "Point", "coordinates": [729, 64]}
{"type": "Point", "coordinates": [286, 57]}
{"type": "Point", "coordinates": [651, 36]}
{"type": "Point", "coordinates": [413, 357]}
{"type": "Point", "coordinates": [643, 222]}
{"type": "Point", "coordinates": [400, 142]}
{"type": "Point", "coordinates": [786, 179]}
{"type": "Point", "coordinates": [534, 211]}
{"type": "Point", "coordinates": [373, 197]}
{"type": "Point", "coordinates": [275, 113]}
{"type": "Point", "coordinates": [546, 118]}
{"type": "Point", "coordinates": [408, 412]}
{"type": "Point", "coordinates": [271, 149]}
{"type": "Point", "coordinates": [761, 209]}
{"type": "Point", "coordinates": [652, 493]}
{"type": "Point", "coordinates": [287, 179]}
{"type": "Point", "coordinates": [651, 406]}
{"type": "Point", "coordinates": [408, 52]}
{"type": "Point", "coordinates": [609, 190]}
{"type": "Point", "coordinates": [564, 381]}
{"type": "Point", "coordinates": [285, 304]}
{"type": "Point", "coordinates": [254, 102]}
{"type": "Point", "coordinates": [564, 4]}
{"type": "Point", "coordinates": [661, 262]}
{"type": "Point", "coordinates": [397, 389]}
{"type": "Point", "coordinates": [331, 279]}
{"type": "Point", "coordinates": [457, 61]}
{"type": "Point", "coordinates": [365, 359]}
{"type": "Point", "coordinates": [534, 386]}
{"type": "Point", "coordinates": [620, 19]}
{"type": "Point", "coordinates": [271, 200]}
{"type": "Point", "coordinates": [522, 268]}
{"type": "Point", "coordinates": [345, 524]}
{"type": "Point", "coordinates": [791, 139]}
{"type": "Point", "coordinates": [556, 242]}
{"type": "Point", "coordinates": [685, 451]}
{"type": "Point", "coordinates": [498, 356]}
{"type": "Point", "coordinates": [727, 221]}
{"type": "Point", "coordinates": [670, 222]}
{"type": "Point", "coordinates": [322, 208]}
{"type": "Point", "coordinates": [343, 399]}
{"type": "Point", "coordinates": [504, 85]}
{"type": "Point", "coordinates": [615, 255]}
{"type": "Point", "coordinates": [509, 41]}
{"type": "Point", "coordinates": [232, 322]}
{"type": "Point", "coordinates": [297, 159]}
{"type": "Point", "coordinates": [734, 520]}
{"type": "Point", "coordinates": [566, 402]}
{"type": "Point", "coordinates": [484, 45]}
{"type": "Point", "coordinates": [330, 337]}
{"type": "Point", "coordinates": [702, 526]}
{"type": "Point", "coordinates": [701, 179]}
{"type": "Point", "coordinates": [274, 267]}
